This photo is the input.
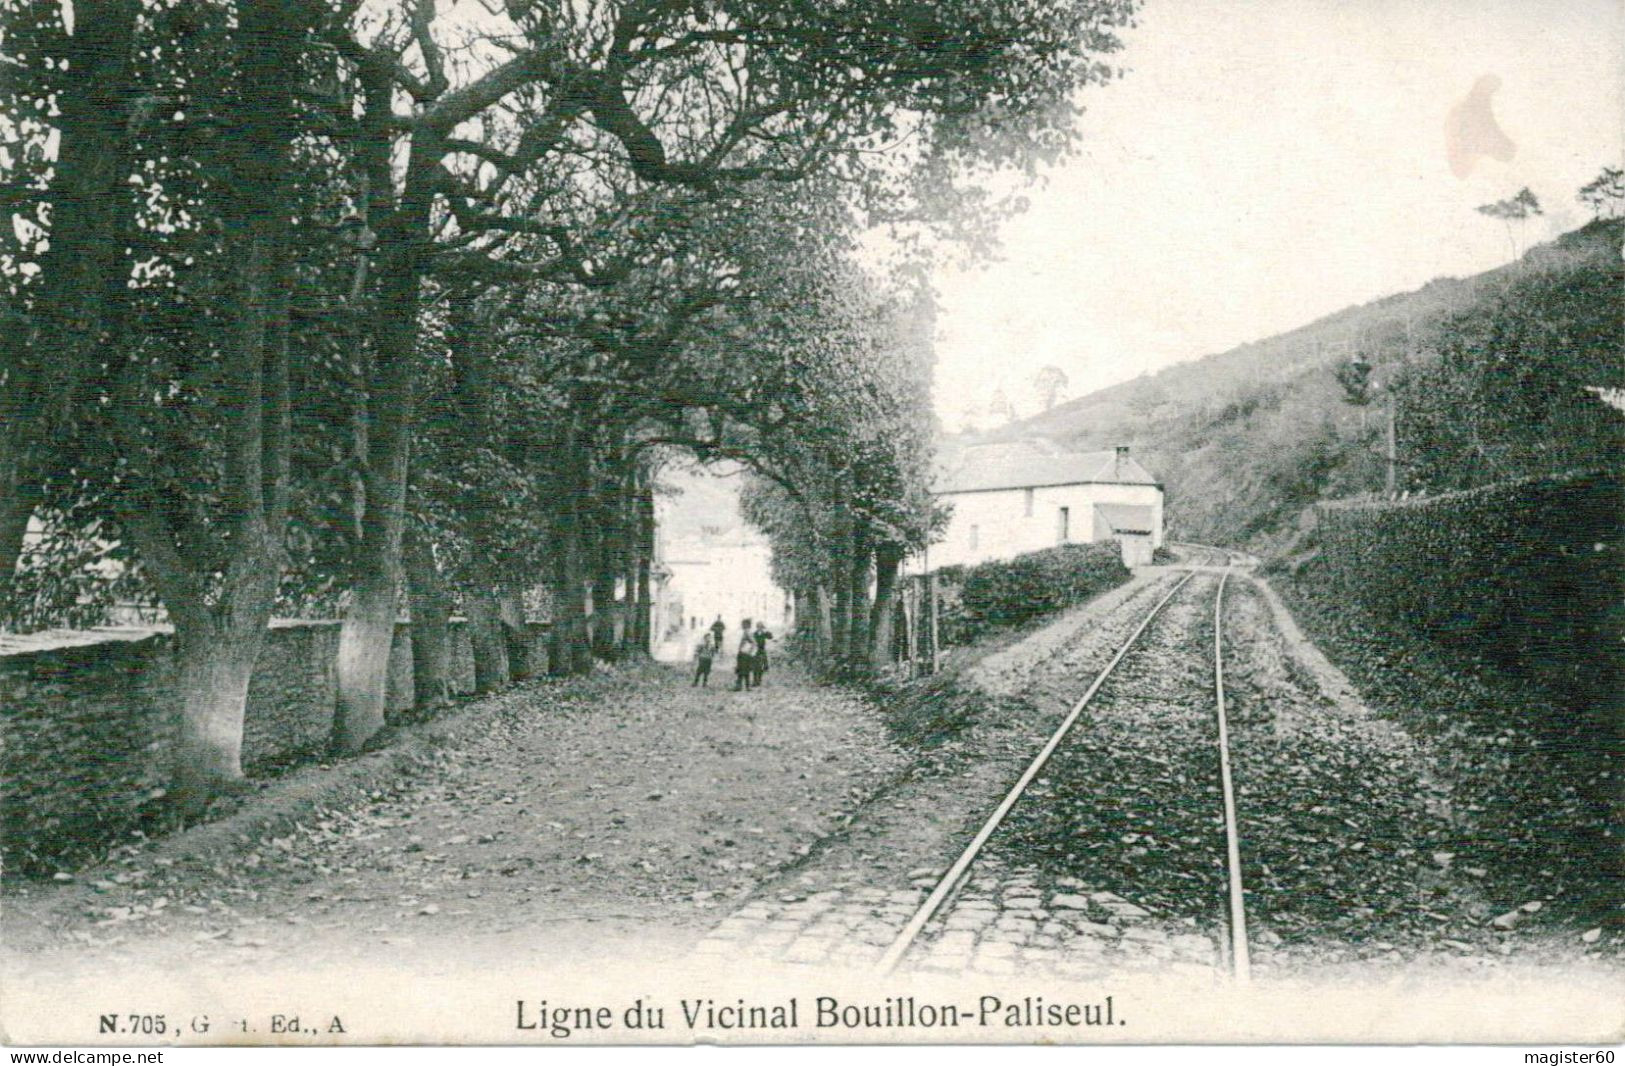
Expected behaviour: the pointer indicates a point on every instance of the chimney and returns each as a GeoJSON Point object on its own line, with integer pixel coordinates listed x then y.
{"type": "Point", "coordinates": [1122, 457]}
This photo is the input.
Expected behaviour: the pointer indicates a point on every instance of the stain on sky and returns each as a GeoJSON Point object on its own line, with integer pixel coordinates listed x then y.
{"type": "Point", "coordinates": [1471, 131]}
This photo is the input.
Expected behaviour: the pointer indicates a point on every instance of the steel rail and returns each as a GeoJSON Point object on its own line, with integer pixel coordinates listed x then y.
{"type": "Point", "coordinates": [1225, 556]}
{"type": "Point", "coordinates": [956, 873]}
{"type": "Point", "coordinates": [1240, 961]}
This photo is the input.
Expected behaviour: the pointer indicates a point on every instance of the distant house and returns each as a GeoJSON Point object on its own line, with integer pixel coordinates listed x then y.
{"type": "Point", "coordinates": [718, 573]}
{"type": "Point", "coordinates": [1020, 496]}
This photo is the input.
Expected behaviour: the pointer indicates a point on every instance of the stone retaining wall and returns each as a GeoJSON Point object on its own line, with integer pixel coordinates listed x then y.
{"type": "Point", "coordinates": [84, 724]}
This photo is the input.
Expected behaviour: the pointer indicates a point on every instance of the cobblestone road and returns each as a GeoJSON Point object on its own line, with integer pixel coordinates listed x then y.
{"type": "Point", "coordinates": [1003, 921]}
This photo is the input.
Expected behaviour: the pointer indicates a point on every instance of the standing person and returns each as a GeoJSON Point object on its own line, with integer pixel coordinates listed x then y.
{"type": "Point", "coordinates": [703, 655]}
{"type": "Point", "coordinates": [719, 629]}
{"type": "Point", "coordinates": [759, 660]}
{"type": "Point", "coordinates": [745, 658]}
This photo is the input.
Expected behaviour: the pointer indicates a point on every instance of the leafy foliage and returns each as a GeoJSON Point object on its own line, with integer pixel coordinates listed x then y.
{"type": "Point", "coordinates": [1518, 208]}
{"type": "Point", "coordinates": [854, 495]}
{"type": "Point", "coordinates": [1050, 382]}
{"type": "Point", "coordinates": [1012, 592]}
{"type": "Point", "coordinates": [1525, 204]}
{"type": "Point", "coordinates": [415, 297]}
{"type": "Point", "coordinates": [1604, 194]}
{"type": "Point", "coordinates": [1355, 377]}
{"type": "Point", "coordinates": [633, 187]}
{"type": "Point", "coordinates": [72, 576]}
{"type": "Point", "coordinates": [1501, 389]}
{"type": "Point", "coordinates": [1524, 574]}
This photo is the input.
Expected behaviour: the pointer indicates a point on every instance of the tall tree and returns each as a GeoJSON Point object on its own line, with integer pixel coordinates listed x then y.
{"type": "Point", "coordinates": [77, 65]}
{"type": "Point", "coordinates": [611, 171]}
{"type": "Point", "coordinates": [203, 423]}
{"type": "Point", "coordinates": [669, 94]}
{"type": "Point", "coordinates": [1604, 195]}
{"type": "Point", "coordinates": [1519, 208]}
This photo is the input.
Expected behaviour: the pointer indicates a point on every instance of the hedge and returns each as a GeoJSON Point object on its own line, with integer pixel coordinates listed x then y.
{"type": "Point", "coordinates": [1011, 592]}
{"type": "Point", "coordinates": [1525, 574]}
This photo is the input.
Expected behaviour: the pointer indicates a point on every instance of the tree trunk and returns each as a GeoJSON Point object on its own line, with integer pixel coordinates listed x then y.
{"type": "Point", "coordinates": [516, 633]}
{"type": "Point", "coordinates": [491, 667]}
{"type": "Point", "coordinates": [840, 620]}
{"type": "Point", "coordinates": [368, 629]}
{"type": "Point", "coordinates": [467, 337]}
{"type": "Point", "coordinates": [856, 652]}
{"type": "Point", "coordinates": [1390, 451]}
{"type": "Point", "coordinates": [49, 355]}
{"type": "Point", "coordinates": [824, 621]}
{"type": "Point", "coordinates": [933, 630]}
{"type": "Point", "coordinates": [633, 607]}
{"type": "Point", "coordinates": [840, 564]}
{"type": "Point", "coordinates": [605, 611]}
{"type": "Point", "coordinates": [580, 649]}
{"type": "Point", "coordinates": [218, 642]}
{"type": "Point", "coordinates": [911, 614]}
{"type": "Point", "coordinates": [630, 562]}
{"type": "Point", "coordinates": [640, 633]}
{"type": "Point", "coordinates": [569, 650]}
{"type": "Point", "coordinates": [644, 621]}
{"type": "Point", "coordinates": [214, 668]}
{"type": "Point", "coordinates": [369, 623]}
{"type": "Point", "coordinates": [431, 635]}
{"type": "Point", "coordinates": [216, 646]}
{"type": "Point", "coordinates": [803, 628]}
{"type": "Point", "coordinates": [888, 560]}
{"type": "Point", "coordinates": [365, 638]}
{"type": "Point", "coordinates": [797, 633]}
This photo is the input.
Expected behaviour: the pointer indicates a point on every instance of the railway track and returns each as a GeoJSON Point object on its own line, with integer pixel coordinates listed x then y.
{"type": "Point", "coordinates": [1208, 555]}
{"type": "Point", "coordinates": [1201, 562]}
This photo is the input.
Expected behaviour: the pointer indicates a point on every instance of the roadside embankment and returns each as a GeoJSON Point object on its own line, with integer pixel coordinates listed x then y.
{"type": "Point", "coordinates": [1538, 809]}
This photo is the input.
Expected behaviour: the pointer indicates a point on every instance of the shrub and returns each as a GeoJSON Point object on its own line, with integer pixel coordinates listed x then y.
{"type": "Point", "coordinates": [1013, 592]}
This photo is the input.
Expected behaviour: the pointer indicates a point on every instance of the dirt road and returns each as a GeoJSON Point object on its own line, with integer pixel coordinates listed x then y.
{"type": "Point", "coordinates": [569, 816]}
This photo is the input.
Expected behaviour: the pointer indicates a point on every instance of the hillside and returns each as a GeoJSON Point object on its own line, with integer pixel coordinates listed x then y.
{"type": "Point", "coordinates": [1488, 375]}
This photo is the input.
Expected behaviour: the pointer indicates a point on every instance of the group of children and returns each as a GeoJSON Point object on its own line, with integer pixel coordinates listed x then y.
{"type": "Point", "coordinates": [750, 661]}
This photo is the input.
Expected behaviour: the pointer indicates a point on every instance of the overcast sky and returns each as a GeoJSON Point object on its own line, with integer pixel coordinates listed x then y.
{"type": "Point", "coordinates": [1265, 162]}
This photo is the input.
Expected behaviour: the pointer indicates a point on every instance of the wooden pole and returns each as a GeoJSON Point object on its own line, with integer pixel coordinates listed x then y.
{"type": "Point", "coordinates": [935, 652]}
{"type": "Point", "coordinates": [910, 613]}
{"type": "Point", "coordinates": [1390, 482]}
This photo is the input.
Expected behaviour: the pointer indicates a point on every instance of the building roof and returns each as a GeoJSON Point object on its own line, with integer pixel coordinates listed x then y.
{"type": "Point", "coordinates": [1126, 517]}
{"type": "Point", "coordinates": [1033, 464]}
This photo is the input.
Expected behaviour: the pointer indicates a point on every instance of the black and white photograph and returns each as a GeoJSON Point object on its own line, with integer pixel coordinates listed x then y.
{"type": "Point", "coordinates": [556, 523]}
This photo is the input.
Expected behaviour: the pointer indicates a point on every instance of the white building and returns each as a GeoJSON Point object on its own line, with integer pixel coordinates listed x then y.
{"type": "Point", "coordinates": [726, 573]}
{"type": "Point", "coordinates": [1020, 496]}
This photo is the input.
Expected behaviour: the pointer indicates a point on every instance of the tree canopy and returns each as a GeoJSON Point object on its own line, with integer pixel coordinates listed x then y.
{"type": "Point", "coordinates": [361, 306]}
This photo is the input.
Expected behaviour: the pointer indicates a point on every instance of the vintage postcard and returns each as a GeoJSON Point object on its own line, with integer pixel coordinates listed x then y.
{"type": "Point", "coordinates": [793, 522]}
